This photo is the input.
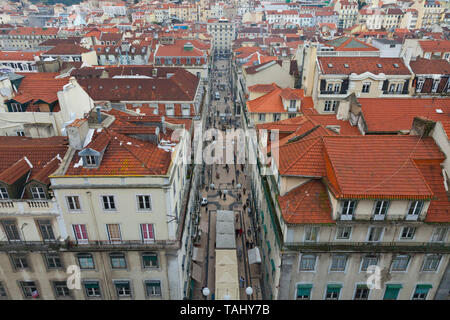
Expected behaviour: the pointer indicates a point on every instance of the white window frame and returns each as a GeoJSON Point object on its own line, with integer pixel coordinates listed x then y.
{"type": "Point", "coordinates": [90, 160]}
{"type": "Point", "coordinates": [138, 203]}
{"type": "Point", "coordinates": [300, 262]}
{"type": "Point", "coordinates": [38, 191]}
{"type": "Point", "coordinates": [415, 215]}
{"type": "Point", "coordinates": [394, 258]}
{"type": "Point", "coordinates": [147, 240]}
{"type": "Point", "coordinates": [356, 288]}
{"type": "Point", "coordinates": [409, 228]}
{"type": "Point", "coordinates": [102, 198]}
{"type": "Point", "coordinates": [425, 259]}
{"type": "Point", "coordinates": [346, 215]}
{"type": "Point", "coordinates": [368, 256]}
{"type": "Point", "coordinates": [115, 282]}
{"type": "Point", "coordinates": [384, 206]}
{"type": "Point", "coordinates": [381, 234]}
{"type": "Point", "coordinates": [80, 240]}
{"type": "Point", "coordinates": [419, 85]}
{"type": "Point", "coordinates": [310, 230]}
{"type": "Point", "coordinates": [439, 229]}
{"type": "Point", "coordinates": [68, 203]}
{"type": "Point", "coordinates": [112, 241]}
{"type": "Point", "coordinates": [337, 237]}
{"type": "Point", "coordinates": [4, 194]}
{"type": "Point", "coordinates": [339, 256]}
{"type": "Point", "coordinates": [16, 107]}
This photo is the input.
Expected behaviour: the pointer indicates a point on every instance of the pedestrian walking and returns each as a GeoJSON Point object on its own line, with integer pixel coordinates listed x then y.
{"type": "Point", "coordinates": [232, 183]}
{"type": "Point", "coordinates": [242, 282]}
{"type": "Point", "coordinates": [247, 244]}
{"type": "Point", "coordinates": [243, 190]}
{"type": "Point", "coordinates": [220, 193]}
{"type": "Point", "coordinates": [241, 231]}
{"type": "Point", "coordinates": [244, 206]}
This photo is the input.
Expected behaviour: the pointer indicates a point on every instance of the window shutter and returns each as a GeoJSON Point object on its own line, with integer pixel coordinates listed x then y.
{"type": "Point", "coordinates": [405, 87]}
{"type": "Point", "coordinates": [323, 84]}
{"type": "Point", "coordinates": [414, 82]}
{"type": "Point", "coordinates": [385, 86]}
{"type": "Point", "coordinates": [344, 86]}
{"type": "Point", "coordinates": [442, 84]}
{"type": "Point", "coordinates": [428, 84]}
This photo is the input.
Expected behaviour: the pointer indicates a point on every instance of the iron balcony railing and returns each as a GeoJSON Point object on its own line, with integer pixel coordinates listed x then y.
{"type": "Point", "coordinates": [426, 247]}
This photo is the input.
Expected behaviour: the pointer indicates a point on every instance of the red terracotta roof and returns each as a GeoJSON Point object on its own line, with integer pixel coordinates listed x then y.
{"type": "Point", "coordinates": [439, 209]}
{"type": "Point", "coordinates": [379, 166]}
{"type": "Point", "coordinates": [272, 102]}
{"type": "Point", "coordinates": [19, 55]}
{"type": "Point", "coordinates": [66, 49]}
{"type": "Point", "coordinates": [263, 88]}
{"type": "Point", "coordinates": [427, 66]}
{"type": "Point", "coordinates": [308, 203]}
{"type": "Point", "coordinates": [435, 45]}
{"type": "Point", "coordinates": [401, 112]}
{"type": "Point", "coordinates": [359, 65]}
{"type": "Point", "coordinates": [34, 31]}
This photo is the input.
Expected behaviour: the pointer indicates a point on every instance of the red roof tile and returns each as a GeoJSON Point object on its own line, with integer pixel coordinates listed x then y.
{"type": "Point", "coordinates": [308, 203]}
{"type": "Point", "coordinates": [359, 65]}
{"type": "Point", "coordinates": [427, 66]}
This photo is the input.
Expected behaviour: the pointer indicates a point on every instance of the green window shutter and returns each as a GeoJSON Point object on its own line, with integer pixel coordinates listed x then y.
{"type": "Point", "coordinates": [265, 229]}
{"type": "Point", "coordinates": [423, 288]}
{"type": "Point", "coordinates": [262, 216]}
{"type": "Point", "coordinates": [392, 291]}
{"type": "Point", "coordinates": [304, 290]}
{"type": "Point", "coordinates": [273, 264]}
{"type": "Point", "coordinates": [334, 288]}
{"type": "Point", "coordinates": [361, 286]}
{"type": "Point", "coordinates": [91, 285]}
{"type": "Point", "coordinates": [269, 248]}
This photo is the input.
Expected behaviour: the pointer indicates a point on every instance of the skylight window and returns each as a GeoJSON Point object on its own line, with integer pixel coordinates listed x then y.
{"type": "Point", "coordinates": [379, 65]}
{"type": "Point", "coordinates": [345, 65]}
{"type": "Point", "coordinates": [330, 65]}
{"type": "Point", "coordinates": [395, 65]}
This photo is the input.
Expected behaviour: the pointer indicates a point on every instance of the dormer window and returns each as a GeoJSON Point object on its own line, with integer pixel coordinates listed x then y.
{"type": "Point", "coordinates": [3, 194]}
{"type": "Point", "coordinates": [37, 192]}
{"type": "Point", "coordinates": [292, 105]}
{"type": "Point", "coordinates": [170, 109]}
{"type": "Point", "coordinates": [90, 160]}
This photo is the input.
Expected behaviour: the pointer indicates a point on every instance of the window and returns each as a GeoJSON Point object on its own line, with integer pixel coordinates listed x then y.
{"type": "Point", "coordinates": [392, 88]}
{"type": "Point", "coordinates": [80, 232]}
{"type": "Point", "coordinates": [20, 133]}
{"type": "Point", "coordinates": [19, 261]}
{"type": "Point", "coordinates": [431, 262]}
{"type": "Point", "coordinates": [308, 262]}
{"type": "Point", "coordinates": [400, 263]}
{"type": "Point", "coordinates": [147, 232]}
{"type": "Point", "coordinates": [45, 226]}
{"type": "Point", "coordinates": [3, 194]}
{"type": "Point", "coordinates": [330, 87]}
{"type": "Point", "coordinates": [118, 261]}
{"type": "Point", "coordinates": [399, 87]}
{"type": "Point", "coordinates": [29, 289]}
{"type": "Point", "coordinates": [90, 160]}
{"type": "Point", "coordinates": [333, 291]}
{"type": "Point", "coordinates": [375, 234]}
{"type": "Point", "coordinates": [421, 291]}
{"type": "Point", "coordinates": [414, 210]}
{"type": "Point", "coordinates": [10, 228]}
{"type": "Point", "coordinates": [73, 203]}
{"type": "Point", "coordinates": [123, 288]}
{"type": "Point", "coordinates": [435, 85]}
{"type": "Point", "coordinates": [392, 291]}
{"type": "Point", "coordinates": [292, 104]}
{"type": "Point", "coordinates": [439, 234]}
{"type": "Point", "coordinates": [276, 117]}
{"type": "Point", "coordinates": [337, 88]}
{"type": "Point", "coordinates": [3, 293]}
{"type": "Point", "coordinates": [113, 231]}
{"type": "Point", "coordinates": [380, 209]}
{"type": "Point", "coordinates": [311, 233]}
{"type": "Point", "coordinates": [407, 233]}
{"type": "Point", "coordinates": [61, 289]}
{"type": "Point", "coordinates": [420, 83]}
{"type": "Point", "coordinates": [92, 289]}
{"type": "Point", "coordinates": [149, 260]}
{"type": "Point", "coordinates": [86, 261]}
{"type": "Point", "coordinates": [361, 292]}
{"type": "Point", "coordinates": [53, 261]}
{"type": "Point", "coordinates": [338, 262]}
{"type": "Point", "coordinates": [304, 291]}
{"type": "Point", "coordinates": [343, 232]}
{"type": "Point", "coordinates": [262, 117]}
{"type": "Point", "coordinates": [108, 203]}
{"type": "Point", "coordinates": [348, 208]}
{"type": "Point", "coordinates": [153, 288]}
{"type": "Point", "coordinates": [38, 192]}
{"type": "Point", "coordinates": [367, 261]}
{"type": "Point", "coordinates": [16, 107]}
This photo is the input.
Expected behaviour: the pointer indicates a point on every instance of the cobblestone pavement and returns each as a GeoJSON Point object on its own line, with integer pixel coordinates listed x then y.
{"type": "Point", "coordinates": [234, 199]}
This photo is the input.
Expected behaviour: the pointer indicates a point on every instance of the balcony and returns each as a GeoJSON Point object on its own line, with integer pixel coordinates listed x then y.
{"type": "Point", "coordinates": [28, 207]}
{"type": "Point", "coordinates": [32, 245]}
{"type": "Point", "coordinates": [369, 247]}
{"type": "Point", "coordinates": [105, 245]}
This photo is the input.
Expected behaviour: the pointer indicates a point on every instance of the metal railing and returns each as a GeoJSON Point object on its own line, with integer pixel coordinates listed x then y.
{"type": "Point", "coordinates": [428, 247]}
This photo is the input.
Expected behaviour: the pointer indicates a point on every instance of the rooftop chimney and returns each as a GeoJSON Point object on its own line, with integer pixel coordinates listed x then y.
{"type": "Point", "coordinates": [99, 115]}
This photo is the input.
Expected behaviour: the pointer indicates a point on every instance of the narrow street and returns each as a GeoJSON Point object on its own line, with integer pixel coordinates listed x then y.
{"type": "Point", "coordinates": [226, 187]}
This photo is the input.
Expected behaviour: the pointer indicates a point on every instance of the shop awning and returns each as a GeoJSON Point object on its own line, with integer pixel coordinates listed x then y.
{"type": "Point", "coordinates": [254, 256]}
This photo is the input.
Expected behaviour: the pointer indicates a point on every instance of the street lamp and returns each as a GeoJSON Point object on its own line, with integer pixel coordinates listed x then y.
{"type": "Point", "coordinates": [249, 291]}
{"type": "Point", "coordinates": [205, 292]}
